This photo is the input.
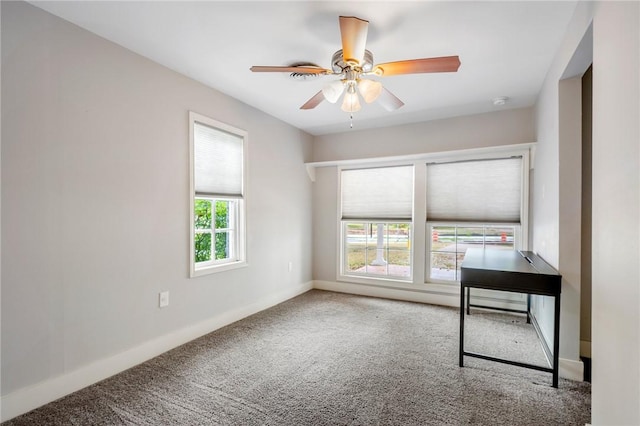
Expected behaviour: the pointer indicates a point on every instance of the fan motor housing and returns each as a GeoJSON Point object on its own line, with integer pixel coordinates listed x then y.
{"type": "Point", "coordinates": [338, 65]}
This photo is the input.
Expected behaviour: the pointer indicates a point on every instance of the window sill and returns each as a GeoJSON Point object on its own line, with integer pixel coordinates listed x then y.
{"type": "Point", "coordinates": [207, 270]}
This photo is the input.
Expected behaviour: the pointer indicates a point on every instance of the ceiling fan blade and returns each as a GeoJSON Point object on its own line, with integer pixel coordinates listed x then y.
{"type": "Point", "coordinates": [414, 66]}
{"type": "Point", "coordinates": [314, 101]}
{"type": "Point", "coordinates": [354, 38]}
{"type": "Point", "coordinates": [300, 70]}
{"type": "Point", "coordinates": [389, 101]}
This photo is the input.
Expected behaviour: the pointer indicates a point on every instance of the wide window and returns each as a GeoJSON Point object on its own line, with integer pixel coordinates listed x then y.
{"type": "Point", "coordinates": [376, 213]}
{"type": "Point", "coordinates": [471, 204]}
{"type": "Point", "coordinates": [217, 196]}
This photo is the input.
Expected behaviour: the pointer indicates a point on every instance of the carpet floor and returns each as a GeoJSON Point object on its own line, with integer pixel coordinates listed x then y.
{"type": "Point", "coordinates": [326, 358]}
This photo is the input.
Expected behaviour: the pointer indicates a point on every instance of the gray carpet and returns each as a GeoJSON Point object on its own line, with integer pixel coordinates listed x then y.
{"type": "Point", "coordinates": [334, 359]}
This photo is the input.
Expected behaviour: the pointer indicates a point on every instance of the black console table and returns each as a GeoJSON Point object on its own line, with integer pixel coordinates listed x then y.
{"type": "Point", "coordinates": [513, 271]}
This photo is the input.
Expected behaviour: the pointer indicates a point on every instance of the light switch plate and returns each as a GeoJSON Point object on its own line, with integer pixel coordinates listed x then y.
{"type": "Point", "coordinates": [164, 299]}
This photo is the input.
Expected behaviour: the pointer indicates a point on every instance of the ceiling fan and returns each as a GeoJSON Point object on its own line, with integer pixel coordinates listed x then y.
{"type": "Point", "coordinates": [353, 62]}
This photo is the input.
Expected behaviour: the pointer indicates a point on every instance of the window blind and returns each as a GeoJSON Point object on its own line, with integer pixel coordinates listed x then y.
{"type": "Point", "coordinates": [384, 193]}
{"type": "Point", "coordinates": [218, 162]}
{"type": "Point", "coordinates": [478, 191]}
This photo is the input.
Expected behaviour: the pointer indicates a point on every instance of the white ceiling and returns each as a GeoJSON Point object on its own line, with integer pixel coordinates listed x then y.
{"type": "Point", "coordinates": [505, 47]}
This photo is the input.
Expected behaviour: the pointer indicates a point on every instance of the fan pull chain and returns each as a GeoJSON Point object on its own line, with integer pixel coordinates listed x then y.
{"type": "Point", "coordinates": [351, 121]}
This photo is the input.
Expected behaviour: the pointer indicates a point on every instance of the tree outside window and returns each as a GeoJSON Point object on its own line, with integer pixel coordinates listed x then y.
{"type": "Point", "coordinates": [219, 226]}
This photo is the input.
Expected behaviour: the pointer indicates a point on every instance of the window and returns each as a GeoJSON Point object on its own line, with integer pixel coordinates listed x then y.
{"type": "Point", "coordinates": [449, 242]}
{"type": "Point", "coordinates": [471, 204]}
{"type": "Point", "coordinates": [377, 249]}
{"type": "Point", "coordinates": [217, 195]}
{"type": "Point", "coordinates": [462, 199]}
{"type": "Point", "coordinates": [377, 210]}
{"type": "Point", "coordinates": [215, 229]}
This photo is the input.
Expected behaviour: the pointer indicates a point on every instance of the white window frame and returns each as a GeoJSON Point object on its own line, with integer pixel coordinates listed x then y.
{"type": "Point", "coordinates": [239, 242]}
{"type": "Point", "coordinates": [517, 243]}
{"type": "Point", "coordinates": [391, 280]}
{"type": "Point", "coordinates": [235, 204]}
{"type": "Point", "coordinates": [419, 228]}
{"type": "Point", "coordinates": [345, 275]}
{"type": "Point", "coordinates": [521, 233]}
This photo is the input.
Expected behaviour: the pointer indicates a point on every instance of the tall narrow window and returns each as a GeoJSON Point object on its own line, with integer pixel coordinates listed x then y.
{"type": "Point", "coordinates": [377, 211]}
{"type": "Point", "coordinates": [471, 204]}
{"type": "Point", "coordinates": [217, 196]}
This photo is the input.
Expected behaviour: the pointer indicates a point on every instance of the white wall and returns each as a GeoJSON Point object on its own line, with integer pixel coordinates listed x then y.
{"type": "Point", "coordinates": [557, 195]}
{"type": "Point", "coordinates": [95, 216]}
{"type": "Point", "coordinates": [501, 128]}
{"type": "Point", "coordinates": [616, 214]}
{"type": "Point", "coordinates": [616, 198]}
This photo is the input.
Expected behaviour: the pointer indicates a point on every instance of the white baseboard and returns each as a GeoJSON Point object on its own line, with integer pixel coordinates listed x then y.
{"type": "Point", "coordinates": [571, 369]}
{"type": "Point", "coordinates": [389, 293]}
{"type": "Point", "coordinates": [434, 294]}
{"type": "Point", "coordinates": [29, 398]}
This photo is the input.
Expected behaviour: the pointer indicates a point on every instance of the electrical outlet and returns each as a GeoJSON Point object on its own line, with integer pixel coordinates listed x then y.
{"type": "Point", "coordinates": [163, 299]}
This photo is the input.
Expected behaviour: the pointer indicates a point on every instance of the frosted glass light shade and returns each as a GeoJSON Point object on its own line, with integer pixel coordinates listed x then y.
{"type": "Point", "coordinates": [370, 90]}
{"type": "Point", "coordinates": [333, 90]}
{"type": "Point", "coordinates": [351, 103]}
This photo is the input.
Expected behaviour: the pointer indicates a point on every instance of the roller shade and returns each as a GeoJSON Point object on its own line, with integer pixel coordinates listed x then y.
{"type": "Point", "coordinates": [218, 162]}
{"type": "Point", "coordinates": [384, 193]}
{"type": "Point", "coordinates": [475, 191]}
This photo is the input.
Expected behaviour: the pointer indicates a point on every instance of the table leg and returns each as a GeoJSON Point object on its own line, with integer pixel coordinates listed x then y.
{"type": "Point", "coordinates": [468, 300]}
{"type": "Point", "coordinates": [462, 309]}
{"type": "Point", "coordinates": [556, 340]}
{"type": "Point", "coordinates": [528, 309]}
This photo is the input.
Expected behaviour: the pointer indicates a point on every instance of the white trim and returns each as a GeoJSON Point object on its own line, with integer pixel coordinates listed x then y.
{"type": "Point", "coordinates": [210, 269]}
{"type": "Point", "coordinates": [31, 397]}
{"type": "Point", "coordinates": [430, 293]}
{"type": "Point", "coordinates": [241, 205]}
{"type": "Point", "coordinates": [474, 153]}
{"type": "Point", "coordinates": [524, 208]}
{"type": "Point", "coordinates": [570, 369]}
{"type": "Point", "coordinates": [411, 295]}
{"type": "Point", "coordinates": [311, 171]}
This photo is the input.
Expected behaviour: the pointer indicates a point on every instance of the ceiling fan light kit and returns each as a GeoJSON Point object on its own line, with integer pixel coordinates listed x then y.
{"type": "Point", "coordinates": [370, 90]}
{"type": "Point", "coordinates": [351, 102]}
{"type": "Point", "coordinates": [332, 91]}
{"type": "Point", "coordinates": [353, 62]}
